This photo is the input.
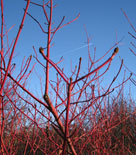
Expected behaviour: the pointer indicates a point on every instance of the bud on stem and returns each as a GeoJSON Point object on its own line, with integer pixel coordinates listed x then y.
{"type": "Point", "coordinates": [41, 50]}
{"type": "Point", "coordinates": [116, 50]}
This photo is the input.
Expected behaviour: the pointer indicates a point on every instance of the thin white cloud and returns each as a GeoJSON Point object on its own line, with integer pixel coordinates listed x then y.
{"type": "Point", "coordinates": [73, 50]}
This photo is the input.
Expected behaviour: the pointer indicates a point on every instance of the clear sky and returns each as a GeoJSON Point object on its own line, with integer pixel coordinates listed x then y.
{"type": "Point", "coordinates": [103, 19]}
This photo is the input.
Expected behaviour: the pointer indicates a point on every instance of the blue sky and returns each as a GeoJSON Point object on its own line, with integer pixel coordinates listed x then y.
{"type": "Point", "coordinates": [104, 22]}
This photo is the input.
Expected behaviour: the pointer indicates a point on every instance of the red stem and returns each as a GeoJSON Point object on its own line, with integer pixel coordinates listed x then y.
{"type": "Point", "coordinates": [14, 46]}
{"type": "Point", "coordinates": [1, 98]}
{"type": "Point", "coordinates": [67, 117]}
{"type": "Point", "coordinates": [48, 49]}
{"type": "Point", "coordinates": [55, 66]}
{"type": "Point", "coordinates": [98, 68]}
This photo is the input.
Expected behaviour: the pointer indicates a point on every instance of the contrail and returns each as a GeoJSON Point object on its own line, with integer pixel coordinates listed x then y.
{"type": "Point", "coordinates": [76, 49]}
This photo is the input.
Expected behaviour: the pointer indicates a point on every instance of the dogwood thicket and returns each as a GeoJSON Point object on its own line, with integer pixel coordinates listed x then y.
{"type": "Point", "coordinates": [75, 114]}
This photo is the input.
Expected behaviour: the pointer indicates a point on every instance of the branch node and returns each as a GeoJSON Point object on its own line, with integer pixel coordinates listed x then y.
{"type": "Point", "coordinates": [46, 97]}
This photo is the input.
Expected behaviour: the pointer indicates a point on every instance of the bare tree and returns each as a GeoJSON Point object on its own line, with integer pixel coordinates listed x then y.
{"type": "Point", "coordinates": [48, 125]}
